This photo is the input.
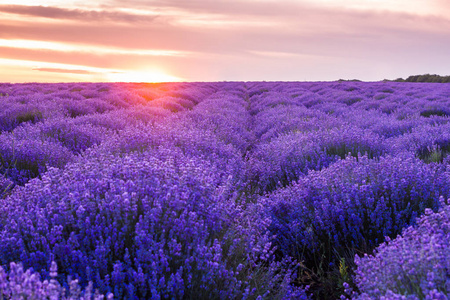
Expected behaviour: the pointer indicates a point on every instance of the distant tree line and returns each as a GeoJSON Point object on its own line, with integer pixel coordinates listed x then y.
{"type": "Point", "coordinates": [425, 78]}
{"type": "Point", "coordinates": [353, 80]}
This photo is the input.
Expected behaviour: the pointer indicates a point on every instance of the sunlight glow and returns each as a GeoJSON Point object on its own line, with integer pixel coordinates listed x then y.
{"type": "Point", "coordinates": [141, 76]}
{"type": "Point", "coordinates": [85, 73]}
{"type": "Point", "coordinates": [65, 47]}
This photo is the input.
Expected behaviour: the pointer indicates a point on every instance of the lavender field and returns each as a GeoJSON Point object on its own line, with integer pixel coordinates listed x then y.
{"type": "Point", "coordinates": [231, 190]}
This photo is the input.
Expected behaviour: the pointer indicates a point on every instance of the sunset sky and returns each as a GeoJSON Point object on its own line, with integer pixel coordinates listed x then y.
{"type": "Point", "coordinates": [216, 40]}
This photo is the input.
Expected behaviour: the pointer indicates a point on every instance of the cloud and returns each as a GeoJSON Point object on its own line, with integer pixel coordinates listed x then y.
{"type": "Point", "coordinates": [83, 48]}
{"type": "Point", "coordinates": [286, 8]}
{"type": "Point", "coordinates": [75, 14]}
{"type": "Point", "coordinates": [278, 33]}
{"type": "Point", "coordinates": [228, 39]}
{"type": "Point", "coordinates": [117, 61]}
{"type": "Point", "coordinates": [56, 70]}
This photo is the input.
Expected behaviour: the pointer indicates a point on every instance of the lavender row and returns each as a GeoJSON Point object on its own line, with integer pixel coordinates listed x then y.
{"type": "Point", "coordinates": [415, 265]}
{"type": "Point", "coordinates": [152, 211]}
{"type": "Point", "coordinates": [326, 206]}
{"type": "Point", "coordinates": [45, 125]}
{"type": "Point", "coordinates": [351, 206]}
{"type": "Point", "coordinates": [213, 189]}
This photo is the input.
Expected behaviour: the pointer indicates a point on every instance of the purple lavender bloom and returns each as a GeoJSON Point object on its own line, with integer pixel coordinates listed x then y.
{"type": "Point", "coordinates": [414, 265]}
{"type": "Point", "coordinates": [20, 284]}
{"type": "Point", "coordinates": [221, 190]}
{"type": "Point", "coordinates": [353, 204]}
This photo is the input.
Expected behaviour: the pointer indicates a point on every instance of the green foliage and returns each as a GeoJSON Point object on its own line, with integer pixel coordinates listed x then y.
{"type": "Point", "coordinates": [352, 100]}
{"type": "Point", "coordinates": [436, 156]}
{"type": "Point", "coordinates": [29, 116]}
{"type": "Point", "coordinates": [349, 80]}
{"type": "Point", "coordinates": [343, 150]}
{"type": "Point", "coordinates": [436, 153]}
{"type": "Point", "coordinates": [425, 78]}
{"type": "Point", "coordinates": [434, 111]}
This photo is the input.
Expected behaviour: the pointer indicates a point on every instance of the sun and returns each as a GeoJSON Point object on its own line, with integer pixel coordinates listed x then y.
{"type": "Point", "coordinates": [141, 76]}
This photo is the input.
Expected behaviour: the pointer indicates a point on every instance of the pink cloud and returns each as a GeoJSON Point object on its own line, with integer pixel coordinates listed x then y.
{"type": "Point", "coordinates": [343, 39]}
{"type": "Point", "coordinates": [74, 14]}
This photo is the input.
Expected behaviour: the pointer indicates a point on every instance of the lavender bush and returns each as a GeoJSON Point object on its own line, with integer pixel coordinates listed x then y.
{"type": "Point", "coordinates": [20, 284]}
{"type": "Point", "coordinates": [5, 185]}
{"type": "Point", "coordinates": [413, 265]}
{"type": "Point", "coordinates": [351, 206]}
{"type": "Point", "coordinates": [230, 190]}
{"type": "Point", "coordinates": [285, 159]}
